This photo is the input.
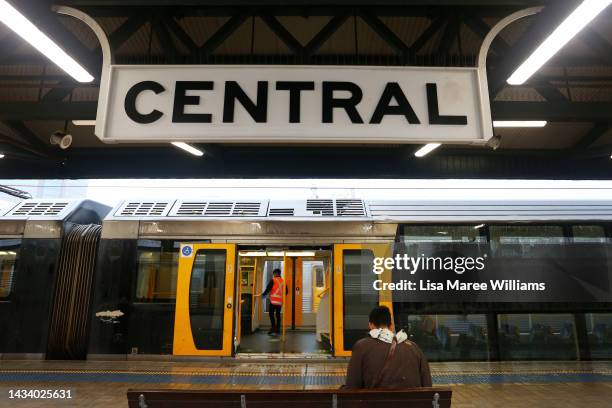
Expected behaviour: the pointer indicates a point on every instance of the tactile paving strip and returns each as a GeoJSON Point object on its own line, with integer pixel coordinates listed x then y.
{"type": "Point", "coordinates": [252, 378]}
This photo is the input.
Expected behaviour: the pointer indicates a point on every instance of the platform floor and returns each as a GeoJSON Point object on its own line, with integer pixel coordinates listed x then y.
{"type": "Point", "coordinates": [295, 342]}
{"type": "Point", "coordinates": [103, 384]}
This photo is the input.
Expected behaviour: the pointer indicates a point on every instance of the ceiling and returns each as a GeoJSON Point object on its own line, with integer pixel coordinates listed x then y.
{"type": "Point", "coordinates": [573, 91]}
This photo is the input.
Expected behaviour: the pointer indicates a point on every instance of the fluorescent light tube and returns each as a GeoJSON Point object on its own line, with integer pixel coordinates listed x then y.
{"type": "Point", "coordinates": [428, 148]}
{"type": "Point", "coordinates": [576, 21]}
{"type": "Point", "coordinates": [276, 253]}
{"type": "Point", "coordinates": [300, 253]}
{"type": "Point", "coordinates": [84, 122]}
{"type": "Point", "coordinates": [479, 226]}
{"type": "Point", "coordinates": [1, 155]}
{"type": "Point", "coordinates": [253, 253]}
{"type": "Point", "coordinates": [17, 22]}
{"type": "Point", "coordinates": [188, 148]}
{"type": "Point", "coordinates": [519, 123]}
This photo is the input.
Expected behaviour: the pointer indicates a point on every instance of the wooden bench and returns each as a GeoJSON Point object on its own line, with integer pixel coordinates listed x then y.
{"type": "Point", "coordinates": [329, 398]}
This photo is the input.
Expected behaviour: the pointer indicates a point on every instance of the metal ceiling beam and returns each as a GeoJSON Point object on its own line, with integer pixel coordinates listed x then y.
{"type": "Point", "coordinates": [449, 36]}
{"type": "Point", "coordinates": [9, 45]}
{"type": "Point", "coordinates": [553, 111]}
{"type": "Point", "coordinates": [182, 35]}
{"type": "Point", "coordinates": [282, 33]}
{"type": "Point", "coordinates": [324, 34]}
{"type": "Point", "coordinates": [597, 43]}
{"type": "Point", "coordinates": [49, 22]}
{"type": "Point", "coordinates": [47, 110]}
{"type": "Point", "coordinates": [596, 132]}
{"type": "Point", "coordinates": [27, 136]}
{"type": "Point", "coordinates": [427, 35]}
{"type": "Point", "coordinates": [384, 32]}
{"type": "Point", "coordinates": [165, 40]}
{"type": "Point", "coordinates": [481, 29]}
{"type": "Point", "coordinates": [346, 59]}
{"type": "Point", "coordinates": [126, 30]}
{"type": "Point", "coordinates": [222, 34]}
{"type": "Point", "coordinates": [542, 24]}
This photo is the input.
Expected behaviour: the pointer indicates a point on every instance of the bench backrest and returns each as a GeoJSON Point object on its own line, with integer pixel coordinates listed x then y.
{"type": "Point", "coordinates": [339, 398]}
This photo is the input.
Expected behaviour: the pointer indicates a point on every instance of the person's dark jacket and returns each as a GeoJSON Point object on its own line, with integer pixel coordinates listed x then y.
{"type": "Point", "coordinates": [407, 369]}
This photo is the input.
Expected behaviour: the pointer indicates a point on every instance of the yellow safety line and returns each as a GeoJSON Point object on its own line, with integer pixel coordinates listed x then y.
{"type": "Point", "coordinates": [294, 374]}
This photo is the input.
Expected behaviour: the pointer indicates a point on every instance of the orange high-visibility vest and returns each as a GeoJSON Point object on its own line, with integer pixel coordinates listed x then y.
{"type": "Point", "coordinates": [276, 294]}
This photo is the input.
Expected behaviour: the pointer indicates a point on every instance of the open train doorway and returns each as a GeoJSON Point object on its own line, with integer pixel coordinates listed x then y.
{"type": "Point", "coordinates": [306, 304]}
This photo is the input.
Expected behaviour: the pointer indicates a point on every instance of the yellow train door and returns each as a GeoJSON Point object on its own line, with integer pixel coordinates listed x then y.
{"type": "Point", "coordinates": [353, 292]}
{"type": "Point", "coordinates": [205, 300]}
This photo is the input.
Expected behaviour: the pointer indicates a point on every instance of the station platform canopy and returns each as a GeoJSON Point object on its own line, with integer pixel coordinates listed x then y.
{"type": "Point", "coordinates": [570, 96]}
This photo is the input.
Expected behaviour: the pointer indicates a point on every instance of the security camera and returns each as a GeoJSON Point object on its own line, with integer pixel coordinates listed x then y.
{"type": "Point", "coordinates": [494, 142]}
{"type": "Point", "coordinates": [62, 139]}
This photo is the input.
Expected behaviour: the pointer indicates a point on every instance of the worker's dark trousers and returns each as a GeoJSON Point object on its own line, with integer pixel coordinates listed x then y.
{"type": "Point", "coordinates": [275, 317]}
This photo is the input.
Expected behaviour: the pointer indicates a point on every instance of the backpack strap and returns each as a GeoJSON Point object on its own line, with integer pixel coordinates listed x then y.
{"type": "Point", "coordinates": [385, 367]}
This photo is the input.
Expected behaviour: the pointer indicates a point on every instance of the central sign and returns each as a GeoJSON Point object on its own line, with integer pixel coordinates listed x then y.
{"type": "Point", "coordinates": [237, 103]}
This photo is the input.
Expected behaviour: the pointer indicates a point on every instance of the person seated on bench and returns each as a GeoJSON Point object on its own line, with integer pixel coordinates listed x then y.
{"type": "Point", "coordinates": [386, 360]}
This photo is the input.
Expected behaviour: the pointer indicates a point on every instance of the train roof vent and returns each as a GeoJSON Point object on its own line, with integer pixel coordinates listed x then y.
{"type": "Point", "coordinates": [40, 209]}
{"type": "Point", "coordinates": [320, 207]}
{"type": "Point", "coordinates": [246, 209]}
{"type": "Point", "coordinates": [143, 208]}
{"type": "Point", "coordinates": [191, 208]}
{"type": "Point", "coordinates": [281, 212]}
{"type": "Point", "coordinates": [218, 209]}
{"type": "Point", "coordinates": [350, 208]}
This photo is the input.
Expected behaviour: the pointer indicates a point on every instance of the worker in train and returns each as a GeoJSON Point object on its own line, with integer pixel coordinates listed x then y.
{"type": "Point", "coordinates": [275, 289]}
{"type": "Point", "coordinates": [385, 359]}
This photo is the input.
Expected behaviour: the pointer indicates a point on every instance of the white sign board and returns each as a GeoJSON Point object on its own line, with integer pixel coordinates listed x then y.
{"type": "Point", "coordinates": [238, 103]}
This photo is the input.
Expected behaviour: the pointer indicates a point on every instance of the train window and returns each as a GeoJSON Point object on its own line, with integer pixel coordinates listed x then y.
{"type": "Point", "coordinates": [313, 285]}
{"type": "Point", "coordinates": [526, 241]}
{"type": "Point", "coordinates": [537, 336]}
{"type": "Point", "coordinates": [441, 233]}
{"type": "Point", "coordinates": [359, 295]}
{"type": "Point", "coordinates": [588, 234]}
{"type": "Point", "coordinates": [9, 249]}
{"type": "Point", "coordinates": [448, 337]}
{"type": "Point", "coordinates": [157, 270]}
{"type": "Point", "coordinates": [599, 332]}
{"type": "Point", "coordinates": [206, 299]}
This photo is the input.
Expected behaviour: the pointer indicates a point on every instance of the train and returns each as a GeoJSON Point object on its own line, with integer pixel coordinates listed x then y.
{"type": "Point", "coordinates": [176, 279]}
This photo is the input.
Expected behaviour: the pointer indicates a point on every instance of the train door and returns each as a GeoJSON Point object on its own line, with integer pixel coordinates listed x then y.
{"type": "Point", "coordinates": [353, 293]}
{"type": "Point", "coordinates": [205, 299]}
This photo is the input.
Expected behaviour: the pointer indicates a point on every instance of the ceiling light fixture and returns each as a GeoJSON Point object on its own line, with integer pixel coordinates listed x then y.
{"type": "Point", "coordinates": [576, 21]}
{"type": "Point", "coordinates": [519, 123]}
{"type": "Point", "coordinates": [428, 148]}
{"type": "Point", "coordinates": [188, 148]}
{"type": "Point", "coordinates": [1, 155]}
{"type": "Point", "coordinates": [479, 226]}
{"type": "Point", "coordinates": [23, 27]}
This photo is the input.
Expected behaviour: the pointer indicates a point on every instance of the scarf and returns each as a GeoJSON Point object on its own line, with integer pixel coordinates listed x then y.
{"type": "Point", "coordinates": [387, 335]}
